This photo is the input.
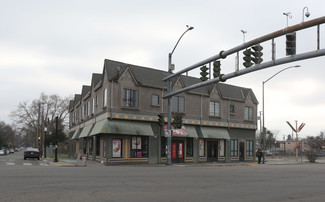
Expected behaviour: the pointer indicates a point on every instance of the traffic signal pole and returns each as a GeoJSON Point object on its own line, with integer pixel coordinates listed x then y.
{"type": "Point", "coordinates": [224, 54]}
{"type": "Point", "coordinates": [258, 67]}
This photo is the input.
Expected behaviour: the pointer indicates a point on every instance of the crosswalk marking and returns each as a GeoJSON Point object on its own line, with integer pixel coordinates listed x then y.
{"type": "Point", "coordinates": [10, 164]}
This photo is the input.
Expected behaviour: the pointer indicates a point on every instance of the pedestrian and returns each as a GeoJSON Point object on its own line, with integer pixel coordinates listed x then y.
{"type": "Point", "coordinates": [259, 154]}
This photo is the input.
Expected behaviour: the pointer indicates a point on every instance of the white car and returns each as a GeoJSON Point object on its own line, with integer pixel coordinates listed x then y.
{"type": "Point", "coordinates": [2, 152]}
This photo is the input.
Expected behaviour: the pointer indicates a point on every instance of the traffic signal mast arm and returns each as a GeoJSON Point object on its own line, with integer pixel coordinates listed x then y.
{"type": "Point", "coordinates": [265, 65]}
{"type": "Point", "coordinates": [224, 54]}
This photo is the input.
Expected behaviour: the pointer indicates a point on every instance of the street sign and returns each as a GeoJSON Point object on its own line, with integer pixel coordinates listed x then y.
{"type": "Point", "coordinates": [301, 126]}
{"type": "Point", "coordinates": [291, 126]}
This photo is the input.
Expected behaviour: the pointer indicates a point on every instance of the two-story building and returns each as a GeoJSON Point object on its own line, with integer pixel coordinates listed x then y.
{"type": "Point", "coordinates": [117, 118]}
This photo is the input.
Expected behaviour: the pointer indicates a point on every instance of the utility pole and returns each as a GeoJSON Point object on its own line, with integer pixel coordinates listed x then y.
{"type": "Point", "coordinates": [56, 140]}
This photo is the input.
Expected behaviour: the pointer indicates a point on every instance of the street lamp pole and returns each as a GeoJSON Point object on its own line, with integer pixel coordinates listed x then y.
{"type": "Point", "coordinates": [56, 140]}
{"type": "Point", "coordinates": [263, 104]}
{"type": "Point", "coordinates": [169, 84]}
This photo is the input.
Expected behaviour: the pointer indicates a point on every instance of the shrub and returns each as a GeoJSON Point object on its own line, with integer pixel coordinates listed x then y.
{"type": "Point", "coordinates": [311, 155]}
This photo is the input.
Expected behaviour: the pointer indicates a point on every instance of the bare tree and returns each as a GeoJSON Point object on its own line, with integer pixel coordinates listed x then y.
{"type": "Point", "coordinates": [31, 119]}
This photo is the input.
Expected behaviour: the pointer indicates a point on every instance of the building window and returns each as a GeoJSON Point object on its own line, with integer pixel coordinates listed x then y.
{"type": "Point", "coordinates": [233, 147]}
{"type": "Point", "coordinates": [155, 100]}
{"type": "Point", "coordinates": [222, 148]}
{"type": "Point", "coordinates": [139, 147]}
{"type": "Point", "coordinates": [117, 148]}
{"type": "Point", "coordinates": [96, 101]}
{"type": "Point", "coordinates": [105, 97]}
{"type": "Point", "coordinates": [201, 145]}
{"type": "Point", "coordinates": [232, 109]}
{"type": "Point", "coordinates": [130, 98]}
{"type": "Point", "coordinates": [88, 108]}
{"type": "Point", "coordinates": [214, 109]}
{"type": "Point", "coordinates": [93, 106]}
{"type": "Point", "coordinates": [178, 104]}
{"type": "Point", "coordinates": [249, 148]}
{"type": "Point", "coordinates": [249, 113]}
{"type": "Point", "coordinates": [189, 147]}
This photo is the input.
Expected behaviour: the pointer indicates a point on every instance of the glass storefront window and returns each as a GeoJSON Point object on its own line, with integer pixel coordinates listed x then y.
{"type": "Point", "coordinates": [222, 148]}
{"type": "Point", "coordinates": [189, 147]}
{"type": "Point", "coordinates": [233, 147]}
{"type": "Point", "coordinates": [249, 148]}
{"type": "Point", "coordinates": [117, 148]}
{"type": "Point", "coordinates": [202, 153]}
{"type": "Point", "coordinates": [139, 147]}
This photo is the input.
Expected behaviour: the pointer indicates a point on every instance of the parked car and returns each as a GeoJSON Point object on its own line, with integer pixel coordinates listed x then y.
{"type": "Point", "coordinates": [11, 150]}
{"type": "Point", "coordinates": [321, 153]}
{"type": "Point", "coordinates": [7, 151]}
{"type": "Point", "coordinates": [31, 152]}
{"type": "Point", "coordinates": [2, 152]}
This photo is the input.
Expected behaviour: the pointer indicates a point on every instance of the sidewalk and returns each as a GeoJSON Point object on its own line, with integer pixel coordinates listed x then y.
{"type": "Point", "coordinates": [278, 160]}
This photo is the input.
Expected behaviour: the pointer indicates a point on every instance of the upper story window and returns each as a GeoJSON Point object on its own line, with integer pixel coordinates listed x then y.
{"type": "Point", "coordinates": [93, 106]}
{"type": "Point", "coordinates": [88, 108]}
{"type": "Point", "coordinates": [232, 109]}
{"type": "Point", "coordinates": [214, 109]}
{"type": "Point", "coordinates": [248, 114]}
{"type": "Point", "coordinates": [155, 100]}
{"type": "Point", "coordinates": [130, 98]}
{"type": "Point", "coordinates": [105, 97]}
{"type": "Point", "coordinates": [178, 104]}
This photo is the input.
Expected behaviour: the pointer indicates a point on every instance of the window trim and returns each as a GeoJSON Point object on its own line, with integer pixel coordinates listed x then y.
{"type": "Point", "coordinates": [234, 147]}
{"type": "Point", "coordinates": [214, 109]}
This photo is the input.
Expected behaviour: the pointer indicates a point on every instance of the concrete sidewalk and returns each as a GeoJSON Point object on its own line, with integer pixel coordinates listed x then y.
{"type": "Point", "coordinates": [278, 160]}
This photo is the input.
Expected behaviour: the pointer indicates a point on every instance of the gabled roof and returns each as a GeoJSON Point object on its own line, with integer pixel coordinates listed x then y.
{"type": "Point", "coordinates": [71, 105]}
{"type": "Point", "coordinates": [85, 91]}
{"type": "Point", "coordinates": [96, 79]}
{"type": "Point", "coordinates": [77, 99]}
{"type": "Point", "coordinates": [153, 78]}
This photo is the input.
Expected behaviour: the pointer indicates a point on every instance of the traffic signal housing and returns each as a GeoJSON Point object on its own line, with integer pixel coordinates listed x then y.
{"type": "Point", "coordinates": [247, 58]}
{"type": "Point", "coordinates": [216, 68]}
{"type": "Point", "coordinates": [291, 43]}
{"type": "Point", "coordinates": [204, 73]}
{"type": "Point", "coordinates": [161, 119]}
{"type": "Point", "coordinates": [257, 53]}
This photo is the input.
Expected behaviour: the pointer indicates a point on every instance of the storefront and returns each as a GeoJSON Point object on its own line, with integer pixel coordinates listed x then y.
{"type": "Point", "coordinates": [183, 147]}
{"type": "Point", "coordinates": [212, 144]}
{"type": "Point", "coordinates": [121, 141]}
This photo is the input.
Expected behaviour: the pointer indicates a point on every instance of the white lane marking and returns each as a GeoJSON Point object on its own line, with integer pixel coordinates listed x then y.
{"type": "Point", "coordinates": [10, 164]}
{"type": "Point", "coordinates": [44, 164]}
{"type": "Point", "coordinates": [27, 164]}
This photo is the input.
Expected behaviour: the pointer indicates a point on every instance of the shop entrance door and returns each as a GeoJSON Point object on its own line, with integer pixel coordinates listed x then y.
{"type": "Point", "coordinates": [177, 151]}
{"type": "Point", "coordinates": [212, 151]}
{"type": "Point", "coordinates": [241, 151]}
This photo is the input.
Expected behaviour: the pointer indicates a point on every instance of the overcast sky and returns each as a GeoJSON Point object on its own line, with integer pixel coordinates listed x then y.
{"type": "Point", "coordinates": [55, 46]}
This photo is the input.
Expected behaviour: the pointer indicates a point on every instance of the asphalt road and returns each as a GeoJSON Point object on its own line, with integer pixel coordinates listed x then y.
{"type": "Point", "coordinates": [37, 182]}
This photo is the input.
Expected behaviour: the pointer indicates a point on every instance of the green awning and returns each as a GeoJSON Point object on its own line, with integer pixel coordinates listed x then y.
{"type": "Point", "coordinates": [191, 132]}
{"type": "Point", "coordinates": [213, 132]}
{"type": "Point", "coordinates": [85, 131]}
{"type": "Point", "coordinates": [130, 128]}
{"type": "Point", "coordinates": [75, 134]}
{"type": "Point", "coordinates": [100, 127]}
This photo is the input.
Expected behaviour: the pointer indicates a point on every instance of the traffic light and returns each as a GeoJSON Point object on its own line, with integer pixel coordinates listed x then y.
{"type": "Point", "coordinates": [248, 58]}
{"type": "Point", "coordinates": [216, 68]}
{"type": "Point", "coordinates": [291, 43]}
{"type": "Point", "coordinates": [178, 121]}
{"type": "Point", "coordinates": [161, 119]}
{"type": "Point", "coordinates": [257, 53]}
{"type": "Point", "coordinates": [204, 73]}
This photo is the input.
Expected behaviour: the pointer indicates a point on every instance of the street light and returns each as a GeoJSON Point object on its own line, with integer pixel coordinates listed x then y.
{"type": "Point", "coordinates": [44, 139]}
{"type": "Point", "coordinates": [307, 14]}
{"type": "Point", "coordinates": [170, 71]}
{"type": "Point", "coordinates": [263, 104]}
{"type": "Point", "coordinates": [56, 140]}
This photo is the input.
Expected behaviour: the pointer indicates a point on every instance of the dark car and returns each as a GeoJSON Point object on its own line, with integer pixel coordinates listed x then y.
{"type": "Point", "coordinates": [31, 152]}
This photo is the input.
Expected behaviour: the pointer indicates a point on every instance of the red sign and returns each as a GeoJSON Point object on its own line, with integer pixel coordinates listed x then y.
{"type": "Point", "coordinates": [174, 150]}
{"type": "Point", "coordinates": [177, 132]}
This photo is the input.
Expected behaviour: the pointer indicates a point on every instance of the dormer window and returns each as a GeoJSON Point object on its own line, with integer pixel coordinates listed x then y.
{"type": "Point", "coordinates": [130, 98]}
